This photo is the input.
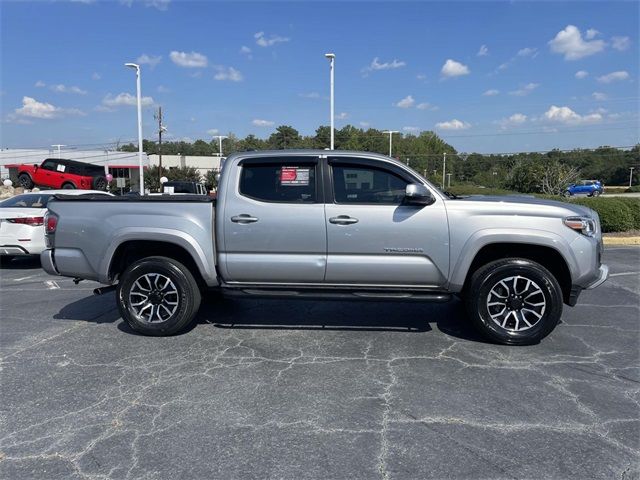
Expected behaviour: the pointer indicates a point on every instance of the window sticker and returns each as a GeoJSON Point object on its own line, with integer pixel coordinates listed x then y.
{"type": "Point", "coordinates": [295, 176]}
{"type": "Point", "coordinates": [60, 168]}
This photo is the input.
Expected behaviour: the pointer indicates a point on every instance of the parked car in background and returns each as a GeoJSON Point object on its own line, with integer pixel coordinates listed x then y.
{"type": "Point", "coordinates": [22, 221]}
{"type": "Point", "coordinates": [184, 187]}
{"type": "Point", "coordinates": [330, 224]}
{"type": "Point", "coordinates": [591, 188]}
{"type": "Point", "coordinates": [63, 173]}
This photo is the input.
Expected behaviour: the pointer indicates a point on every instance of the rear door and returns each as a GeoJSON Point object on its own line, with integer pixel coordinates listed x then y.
{"type": "Point", "coordinates": [373, 237]}
{"type": "Point", "coordinates": [274, 222]}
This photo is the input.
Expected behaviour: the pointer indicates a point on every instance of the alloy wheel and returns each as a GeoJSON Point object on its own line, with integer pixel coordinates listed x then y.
{"type": "Point", "coordinates": [154, 298]}
{"type": "Point", "coordinates": [516, 303]}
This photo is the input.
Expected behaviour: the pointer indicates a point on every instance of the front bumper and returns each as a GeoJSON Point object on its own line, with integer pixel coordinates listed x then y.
{"type": "Point", "coordinates": [603, 274]}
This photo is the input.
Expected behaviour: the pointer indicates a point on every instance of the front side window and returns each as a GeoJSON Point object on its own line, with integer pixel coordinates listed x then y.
{"type": "Point", "coordinates": [369, 185]}
{"type": "Point", "coordinates": [281, 182]}
{"type": "Point", "coordinates": [49, 165]}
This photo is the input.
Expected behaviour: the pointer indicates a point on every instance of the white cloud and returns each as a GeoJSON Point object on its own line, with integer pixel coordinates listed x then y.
{"type": "Point", "coordinates": [264, 41]}
{"type": "Point", "coordinates": [492, 92]}
{"type": "Point", "coordinates": [364, 124]}
{"type": "Point", "coordinates": [309, 95]}
{"type": "Point", "coordinates": [483, 52]}
{"type": "Point", "coordinates": [525, 90]}
{"type": "Point", "coordinates": [342, 116]}
{"type": "Point", "coordinates": [421, 76]}
{"type": "Point", "coordinates": [96, 76]}
{"type": "Point", "coordinates": [189, 60]}
{"type": "Point", "coordinates": [620, 43]}
{"type": "Point", "coordinates": [614, 76]}
{"type": "Point", "coordinates": [40, 84]}
{"type": "Point", "coordinates": [151, 60]}
{"type": "Point", "coordinates": [411, 129]}
{"type": "Point", "coordinates": [262, 123]}
{"type": "Point", "coordinates": [376, 65]}
{"type": "Point", "coordinates": [569, 42]}
{"type": "Point", "coordinates": [163, 89]}
{"type": "Point", "coordinates": [161, 5]}
{"type": "Point", "coordinates": [580, 74]}
{"type": "Point", "coordinates": [527, 52]}
{"type": "Point", "coordinates": [64, 89]}
{"type": "Point", "coordinates": [31, 108]}
{"type": "Point", "coordinates": [591, 34]}
{"type": "Point", "coordinates": [599, 96]}
{"type": "Point", "coordinates": [125, 99]}
{"type": "Point", "coordinates": [406, 102]}
{"type": "Point", "coordinates": [454, 124]}
{"type": "Point", "coordinates": [424, 106]}
{"type": "Point", "coordinates": [565, 115]}
{"type": "Point", "coordinates": [451, 68]}
{"type": "Point", "coordinates": [213, 131]}
{"type": "Point", "coordinates": [244, 50]}
{"type": "Point", "coordinates": [513, 121]}
{"type": "Point", "coordinates": [227, 73]}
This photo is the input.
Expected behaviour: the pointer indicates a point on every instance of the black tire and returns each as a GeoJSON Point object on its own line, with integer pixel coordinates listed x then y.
{"type": "Point", "coordinates": [596, 193]}
{"type": "Point", "coordinates": [187, 295]}
{"type": "Point", "coordinates": [25, 181]}
{"type": "Point", "coordinates": [99, 183]}
{"type": "Point", "coordinates": [69, 186]}
{"type": "Point", "coordinates": [566, 193]}
{"type": "Point", "coordinates": [489, 276]}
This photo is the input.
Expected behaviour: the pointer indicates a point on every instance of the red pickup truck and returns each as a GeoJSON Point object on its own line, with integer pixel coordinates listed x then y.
{"type": "Point", "coordinates": [62, 173]}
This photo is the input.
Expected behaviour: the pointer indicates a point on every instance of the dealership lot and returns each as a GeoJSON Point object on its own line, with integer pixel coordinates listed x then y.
{"type": "Point", "coordinates": [302, 389]}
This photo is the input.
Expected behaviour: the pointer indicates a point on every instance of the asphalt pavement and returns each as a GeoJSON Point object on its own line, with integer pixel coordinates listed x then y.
{"type": "Point", "coordinates": [317, 390]}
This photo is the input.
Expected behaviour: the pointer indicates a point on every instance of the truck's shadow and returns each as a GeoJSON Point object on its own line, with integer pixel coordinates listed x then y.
{"type": "Point", "coordinates": [278, 314]}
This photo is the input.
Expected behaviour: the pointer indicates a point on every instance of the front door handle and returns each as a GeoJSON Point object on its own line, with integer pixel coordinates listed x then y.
{"type": "Point", "coordinates": [244, 218]}
{"type": "Point", "coordinates": [343, 220]}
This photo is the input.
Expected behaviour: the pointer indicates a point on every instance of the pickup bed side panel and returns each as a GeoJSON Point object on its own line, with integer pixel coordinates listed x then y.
{"type": "Point", "coordinates": [89, 233]}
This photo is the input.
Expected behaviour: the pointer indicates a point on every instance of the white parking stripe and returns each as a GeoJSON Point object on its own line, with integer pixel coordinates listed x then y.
{"type": "Point", "coordinates": [51, 285]}
{"type": "Point", "coordinates": [623, 273]}
{"type": "Point", "coordinates": [23, 278]}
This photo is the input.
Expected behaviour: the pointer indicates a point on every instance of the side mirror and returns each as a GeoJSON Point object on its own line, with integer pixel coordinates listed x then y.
{"type": "Point", "coordinates": [35, 165]}
{"type": "Point", "coordinates": [217, 177]}
{"type": "Point", "coordinates": [417, 194]}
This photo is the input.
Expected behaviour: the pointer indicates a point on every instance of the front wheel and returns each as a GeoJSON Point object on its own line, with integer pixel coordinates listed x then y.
{"type": "Point", "coordinates": [158, 296]}
{"type": "Point", "coordinates": [596, 193]}
{"type": "Point", "coordinates": [514, 301]}
{"type": "Point", "coordinates": [566, 193]}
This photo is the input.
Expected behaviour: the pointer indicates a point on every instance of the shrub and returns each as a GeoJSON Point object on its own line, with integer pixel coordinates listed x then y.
{"type": "Point", "coordinates": [616, 214]}
{"type": "Point", "coordinates": [633, 189]}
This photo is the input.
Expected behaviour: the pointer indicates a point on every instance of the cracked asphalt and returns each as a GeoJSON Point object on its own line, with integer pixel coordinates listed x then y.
{"type": "Point", "coordinates": [317, 390]}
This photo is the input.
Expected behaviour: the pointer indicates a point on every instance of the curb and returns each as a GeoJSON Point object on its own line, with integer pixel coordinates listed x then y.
{"type": "Point", "coordinates": [621, 240]}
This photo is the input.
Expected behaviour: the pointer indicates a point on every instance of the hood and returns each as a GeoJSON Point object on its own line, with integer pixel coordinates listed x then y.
{"type": "Point", "coordinates": [526, 202]}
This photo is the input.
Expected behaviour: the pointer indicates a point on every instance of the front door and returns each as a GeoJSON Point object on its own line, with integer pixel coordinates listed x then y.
{"type": "Point", "coordinates": [376, 239]}
{"type": "Point", "coordinates": [274, 224]}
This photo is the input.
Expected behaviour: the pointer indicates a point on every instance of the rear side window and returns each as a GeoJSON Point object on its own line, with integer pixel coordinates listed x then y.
{"type": "Point", "coordinates": [282, 182]}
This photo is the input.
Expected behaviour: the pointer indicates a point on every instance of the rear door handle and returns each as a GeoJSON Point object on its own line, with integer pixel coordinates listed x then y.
{"type": "Point", "coordinates": [244, 218]}
{"type": "Point", "coordinates": [343, 220]}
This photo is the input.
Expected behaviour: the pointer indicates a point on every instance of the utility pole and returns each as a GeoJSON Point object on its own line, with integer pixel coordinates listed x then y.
{"type": "Point", "coordinates": [332, 59]}
{"type": "Point", "coordinates": [390, 132]}
{"type": "Point", "coordinates": [444, 167]}
{"type": "Point", "coordinates": [161, 128]}
{"type": "Point", "coordinates": [58, 146]}
{"type": "Point", "coordinates": [631, 169]}
{"type": "Point", "coordinates": [220, 137]}
{"type": "Point", "coordinates": [448, 180]}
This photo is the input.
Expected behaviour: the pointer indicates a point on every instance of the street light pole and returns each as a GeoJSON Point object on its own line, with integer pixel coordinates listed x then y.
{"type": "Point", "coordinates": [139, 95]}
{"type": "Point", "coordinates": [631, 169]}
{"type": "Point", "coordinates": [58, 146]}
{"type": "Point", "coordinates": [390, 132]}
{"type": "Point", "coordinates": [332, 58]}
{"type": "Point", "coordinates": [444, 167]}
{"type": "Point", "coordinates": [220, 137]}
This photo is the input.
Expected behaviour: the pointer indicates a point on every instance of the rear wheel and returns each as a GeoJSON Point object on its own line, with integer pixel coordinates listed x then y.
{"type": "Point", "coordinates": [99, 183]}
{"type": "Point", "coordinates": [514, 301]}
{"type": "Point", "coordinates": [158, 296]}
{"type": "Point", "coordinates": [69, 186]}
{"type": "Point", "coordinates": [25, 180]}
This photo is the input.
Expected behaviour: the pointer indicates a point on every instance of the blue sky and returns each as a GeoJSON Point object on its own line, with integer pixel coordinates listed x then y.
{"type": "Point", "coordinates": [487, 76]}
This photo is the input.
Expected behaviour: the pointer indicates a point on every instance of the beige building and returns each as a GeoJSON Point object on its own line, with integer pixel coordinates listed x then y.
{"type": "Point", "coordinates": [203, 164]}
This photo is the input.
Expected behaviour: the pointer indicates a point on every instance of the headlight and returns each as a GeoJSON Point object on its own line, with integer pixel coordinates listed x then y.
{"type": "Point", "coordinates": [584, 225]}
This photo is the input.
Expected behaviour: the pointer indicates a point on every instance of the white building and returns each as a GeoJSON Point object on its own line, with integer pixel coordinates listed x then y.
{"type": "Point", "coordinates": [203, 164]}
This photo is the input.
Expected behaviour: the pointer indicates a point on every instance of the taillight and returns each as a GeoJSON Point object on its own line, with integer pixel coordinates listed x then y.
{"type": "Point", "coordinates": [50, 223]}
{"type": "Point", "coordinates": [32, 221]}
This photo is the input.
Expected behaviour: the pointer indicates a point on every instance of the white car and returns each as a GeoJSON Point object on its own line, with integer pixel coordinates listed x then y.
{"type": "Point", "coordinates": [22, 221]}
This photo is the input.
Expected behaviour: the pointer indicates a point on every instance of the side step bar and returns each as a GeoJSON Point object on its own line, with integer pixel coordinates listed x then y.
{"type": "Point", "coordinates": [338, 294]}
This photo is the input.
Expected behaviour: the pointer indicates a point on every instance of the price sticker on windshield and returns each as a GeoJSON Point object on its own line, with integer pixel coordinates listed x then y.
{"type": "Point", "coordinates": [295, 176]}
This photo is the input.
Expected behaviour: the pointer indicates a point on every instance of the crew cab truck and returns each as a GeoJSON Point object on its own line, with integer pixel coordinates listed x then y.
{"type": "Point", "coordinates": [330, 224]}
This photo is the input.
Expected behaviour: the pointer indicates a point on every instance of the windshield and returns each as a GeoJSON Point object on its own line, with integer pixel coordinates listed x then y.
{"type": "Point", "coordinates": [30, 200]}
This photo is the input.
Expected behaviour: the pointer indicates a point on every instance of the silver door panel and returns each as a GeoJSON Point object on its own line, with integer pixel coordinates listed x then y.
{"type": "Point", "coordinates": [383, 270]}
{"type": "Point", "coordinates": [287, 268]}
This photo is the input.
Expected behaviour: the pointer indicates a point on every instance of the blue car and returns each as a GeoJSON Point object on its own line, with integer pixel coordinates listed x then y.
{"type": "Point", "coordinates": [591, 188]}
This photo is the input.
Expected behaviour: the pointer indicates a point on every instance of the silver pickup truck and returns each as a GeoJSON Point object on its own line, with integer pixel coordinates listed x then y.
{"type": "Point", "coordinates": [330, 224]}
